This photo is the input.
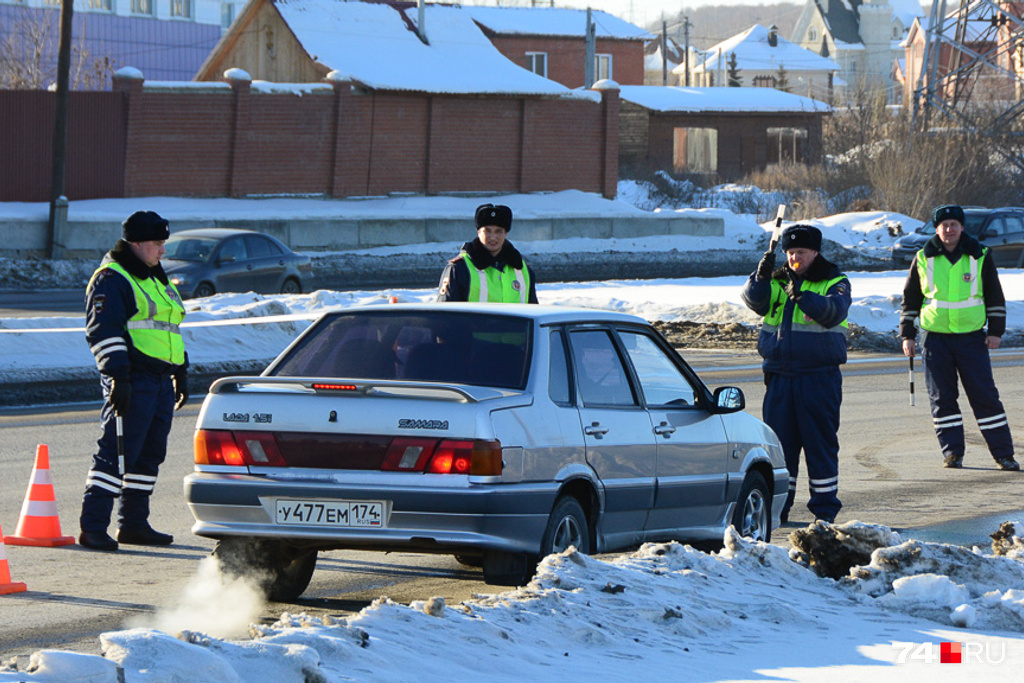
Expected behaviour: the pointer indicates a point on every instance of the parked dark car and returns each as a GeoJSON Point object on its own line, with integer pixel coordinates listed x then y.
{"type": "Point", "coordinates": [1001, 230]}
{"type": "Point", "coordinates": [212, 260]}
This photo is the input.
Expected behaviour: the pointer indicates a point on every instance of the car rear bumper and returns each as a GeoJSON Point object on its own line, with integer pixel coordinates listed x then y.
{"type": "Point", "coordinates": [503, 517]}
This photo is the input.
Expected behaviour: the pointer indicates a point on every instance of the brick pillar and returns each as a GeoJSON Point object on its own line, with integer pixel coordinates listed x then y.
{"type": "Point", "coordinates": [129, 82]}
{"type": "Point", "coordinates": [241, 87]}
{"type": "Point", "coordinates": [610, 126]}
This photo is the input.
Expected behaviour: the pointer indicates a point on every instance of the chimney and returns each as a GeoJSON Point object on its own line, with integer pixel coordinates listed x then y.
{"type": "Point", "coordinates": [773, 36]}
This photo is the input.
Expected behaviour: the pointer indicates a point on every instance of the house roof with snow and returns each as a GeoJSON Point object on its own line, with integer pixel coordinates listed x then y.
{"type": "Point", "coordinates": [376, 45]}
{"type": "Point", "coordinates": [719, 100]}
{"type": "Point", "coordinates": [553, 21]}
{"type": "Point", "coordinates": [753, 52]}
{"type": "Point", "coordinates": [906, 11]}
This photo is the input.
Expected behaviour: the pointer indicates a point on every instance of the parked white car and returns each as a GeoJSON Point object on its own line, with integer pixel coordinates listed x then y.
{"type": "Point", "coordinates": [497, 433]}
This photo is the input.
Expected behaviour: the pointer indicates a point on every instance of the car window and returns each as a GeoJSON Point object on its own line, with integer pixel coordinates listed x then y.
{"type": "Point", "coordinates": [973, 223]}
{"type": "Point", "coordinates": [1014, 225]}
{"type": "Point", "coordinates": [234, 247]}
{"type": "Point", "coordinates": [258, 247]}
{"type": "Point", "coordinates": [484, 350]}
{"type": "Point", "coordinates": [600, 374]}
{"type": "Point", "coordinates": [996, 228]}
{"type": "Point", "coordinates": [558, 371]}
{"type": "Point", "coordinates": [189, 248]}
{"type": "Point", "coordinates": [661, 381]}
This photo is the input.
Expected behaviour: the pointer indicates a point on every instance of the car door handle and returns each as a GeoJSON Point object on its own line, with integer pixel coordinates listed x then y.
{"type": "Point", "coordinates": [249, 267]}
{"type": "Point", "coordinates": [665, 429]}
{"type": "Point", "coordinates": [595, 430]}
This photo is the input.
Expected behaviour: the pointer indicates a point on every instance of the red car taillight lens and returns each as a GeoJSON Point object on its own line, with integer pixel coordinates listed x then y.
{"type": "Point", "coordinates": [216, 447]}
{"type": "Point", "coordinates": [448, 456]}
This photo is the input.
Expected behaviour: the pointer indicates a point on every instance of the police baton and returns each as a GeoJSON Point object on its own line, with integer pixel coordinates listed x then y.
{"type": "Point", "coordinates": [777, 232]}
{"type": "Point", "coordinates": [911, 357]}
{"type": "Point", "coordinates": [120, 445]}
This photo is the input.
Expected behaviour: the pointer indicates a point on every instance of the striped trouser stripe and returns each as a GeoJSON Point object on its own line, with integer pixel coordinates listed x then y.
{"type": "Point", "coordinates": [993, 422]}
{"type": "Point", "coordinates": [948, 421]}
{"type": "Point", "coordinates": [140, 482]}
{"type": "Point", "coordinates": [102, 480]}
{"type": "Point", "coordinates": [792, 483]}
{"type": "Point", "coordinates": [824, 485]}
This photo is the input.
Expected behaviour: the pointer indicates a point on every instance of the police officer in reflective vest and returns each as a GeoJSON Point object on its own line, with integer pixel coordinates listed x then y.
{"type": "Point", "coordinates": [952, 290]}
{"type": "Point", "coordinates": [803, 343]}
{"type": "Point", "coordinates": [489, 268]}
{"type": "Point", "coordinates": [132, 318]}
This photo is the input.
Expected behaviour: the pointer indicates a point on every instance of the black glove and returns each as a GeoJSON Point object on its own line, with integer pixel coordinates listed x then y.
{"type": "Point", "coordinates": [180, 389]}
{"type": "Point", "coordinates": [792, 285]}
{"type": "Point", "coordinates": [121, 395]}
{"type": "Point", "coordinates": [765, 266]}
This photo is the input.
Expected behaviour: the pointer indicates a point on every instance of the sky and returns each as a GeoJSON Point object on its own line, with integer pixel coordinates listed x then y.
{"type": "Point", "coordinates": [752, 612]}
{"type": "Point", "coordinates": [639, 12]}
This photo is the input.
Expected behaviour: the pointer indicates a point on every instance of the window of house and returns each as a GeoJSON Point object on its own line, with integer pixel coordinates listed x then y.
{"type": "Point", "coordinates": [764, 81]}
{"type": "Point", "coordinates": [102, 5]}
{"type": "Point", "coordinates": [813, 34]}
{"type": "Point", "coordinates": [143, 7]}
{"type": "Point", "coordinates": [537, 62]}
{"type": "Point", "coordinates": [695, 150]}
{"type": "Point", "coordinates": [602, 67]}
{"type": "Point", "coordinates": [227, 14]}
{"type": "Point", "coordinates": [787, 144]}
{"type": "Point", "coordinates": [181, 9]}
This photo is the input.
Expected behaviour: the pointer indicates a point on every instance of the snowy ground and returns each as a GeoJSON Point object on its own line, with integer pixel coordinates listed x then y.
{"type": "Point", "coordinates": [896, 610]}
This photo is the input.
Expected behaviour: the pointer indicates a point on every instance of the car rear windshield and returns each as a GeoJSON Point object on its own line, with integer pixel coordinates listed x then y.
{"type": "Point", "coordinates": [460, 348]}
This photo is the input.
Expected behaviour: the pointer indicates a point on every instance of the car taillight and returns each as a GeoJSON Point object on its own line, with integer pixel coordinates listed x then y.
{"type": "Point", "coordinates": [219, 447]}
{"type": "Point", "coordinates": [447, 456]}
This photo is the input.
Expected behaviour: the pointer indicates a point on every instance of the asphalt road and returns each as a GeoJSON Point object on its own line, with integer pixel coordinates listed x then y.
{"type": "Point", "coordinates": [890, 473]}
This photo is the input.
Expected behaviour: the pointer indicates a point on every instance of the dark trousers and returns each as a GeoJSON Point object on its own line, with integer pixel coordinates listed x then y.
{"type": "Point", "coordinates": [946, 357]}
{"type": "Point", "coordinates": [803, 410]}
{"type": "Point", "coordinates": [146, 427]}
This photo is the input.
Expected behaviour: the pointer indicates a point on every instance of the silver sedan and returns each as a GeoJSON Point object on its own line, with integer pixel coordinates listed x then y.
{"type": "Point", "coordinates": [497, 433]}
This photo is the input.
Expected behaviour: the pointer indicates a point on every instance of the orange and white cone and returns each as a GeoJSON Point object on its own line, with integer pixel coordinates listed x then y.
{"type": "Point", "coordinates": [39, 524]}
{"type": "Point", "coordinates": [6, 585]}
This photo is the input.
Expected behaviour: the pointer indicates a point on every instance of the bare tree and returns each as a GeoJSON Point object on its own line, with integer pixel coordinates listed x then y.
{"type": "Point", "coordinates": [28, 54]}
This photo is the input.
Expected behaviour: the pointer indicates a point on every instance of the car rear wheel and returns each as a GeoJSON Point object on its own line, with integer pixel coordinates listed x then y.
{"type": "Point", "coordinates": [567, 526]}
{"type": "Point", "coordinates": [291, 286]}
{"type": "Point", "coordinates": [752, 518]}
{"type": "Point", "coordinates": [204, 289]}
{"type": "Point", "coordinates": [280, 570]}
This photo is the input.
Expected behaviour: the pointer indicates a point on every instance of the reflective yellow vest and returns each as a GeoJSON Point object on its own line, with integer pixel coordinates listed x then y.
{"type": "Point", "coordinates": [508, 285]}
{"type": "Point", "coordinates": [954, 298]}
{"type": "Point", "coordinates": [801, 322]}
{"type": "Point", "coordinates": [154, 328]}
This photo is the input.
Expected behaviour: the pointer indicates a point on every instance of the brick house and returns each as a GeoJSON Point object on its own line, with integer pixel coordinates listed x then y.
{"type": "Point", "coordinates": [717, 132]}
{"type": "Point", "coordinates": [552, 42]}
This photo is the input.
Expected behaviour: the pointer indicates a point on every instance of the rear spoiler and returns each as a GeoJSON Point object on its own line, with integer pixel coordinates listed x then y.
{"type": "Point", "coordinates": [354, 387]}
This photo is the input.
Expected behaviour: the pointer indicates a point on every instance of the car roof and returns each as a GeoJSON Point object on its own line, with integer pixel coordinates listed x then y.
{"type": "Point", "coordinates": [215, 233]}
{"type": "Point", "coordinates": [543, 314]}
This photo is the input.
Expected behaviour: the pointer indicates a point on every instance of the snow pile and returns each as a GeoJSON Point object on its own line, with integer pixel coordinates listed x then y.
{"type": "Point", "coordinates": [666, 607]}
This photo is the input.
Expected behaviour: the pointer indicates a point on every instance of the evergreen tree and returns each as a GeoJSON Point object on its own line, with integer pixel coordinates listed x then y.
{"type": "Point", "coordinates": [782, 79]}
{"type": "Point", "coordinates": [734, 72]}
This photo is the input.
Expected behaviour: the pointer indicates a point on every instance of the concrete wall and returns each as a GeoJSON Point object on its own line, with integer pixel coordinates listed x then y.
{"type": "Point", "coordinates": [88, 239]}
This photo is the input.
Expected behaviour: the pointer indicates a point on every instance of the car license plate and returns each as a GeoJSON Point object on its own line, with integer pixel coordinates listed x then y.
{"type": "Point", "coordinates": [335, 513]}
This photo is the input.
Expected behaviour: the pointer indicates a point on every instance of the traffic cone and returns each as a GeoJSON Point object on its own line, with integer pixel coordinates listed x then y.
{"type": "Point", "coordinates": [6, 585]}
{"type": "Point", "coordinates": [39, 524]}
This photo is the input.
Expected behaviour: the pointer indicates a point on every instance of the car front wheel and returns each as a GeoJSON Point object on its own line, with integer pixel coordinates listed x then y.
{"type": "Point", "coordinates": [291, 286]}
{"type": "Point", "coordinates": [752, 518]}
{"type": "Point", "coordinates": [280, 570]}
{"type": "Point", "coordinates": [204, 289]}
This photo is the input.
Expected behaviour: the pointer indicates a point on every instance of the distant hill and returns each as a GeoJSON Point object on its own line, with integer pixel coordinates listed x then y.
{"type": "Point", "coordinates": [712, 24]}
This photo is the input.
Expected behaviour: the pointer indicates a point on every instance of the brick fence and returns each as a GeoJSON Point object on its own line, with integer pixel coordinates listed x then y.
{"type": "Point", "coordinates": [238, 139]}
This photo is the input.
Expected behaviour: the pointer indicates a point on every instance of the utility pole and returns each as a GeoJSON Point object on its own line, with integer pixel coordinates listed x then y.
{"type": "Point", "coordinates": [58, 202]}
{"type": "Point", "coordinates": [588, 66]}
{"type": "Point", "coordinates": [686, 48]}
{"type": "Point", "coordinates": [664, 51]}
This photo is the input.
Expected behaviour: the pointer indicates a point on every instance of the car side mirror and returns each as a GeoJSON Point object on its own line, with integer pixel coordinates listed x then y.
{"type": "Point", "coordinates": [989, 233]}
{"type": "Point", "coordinates": [729, 400]}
